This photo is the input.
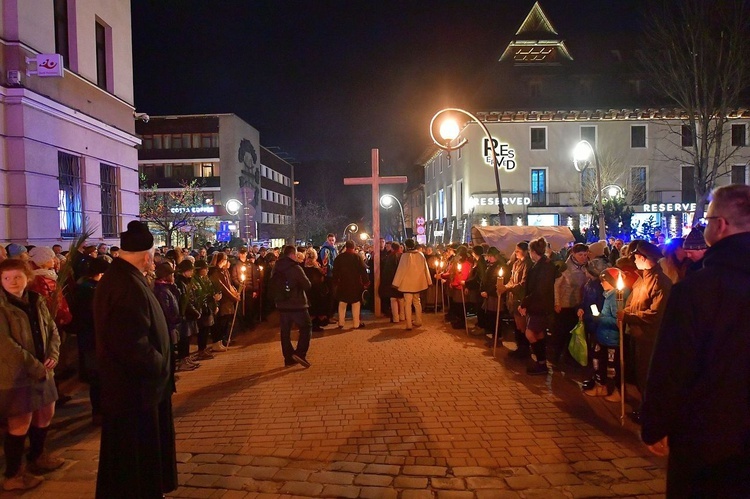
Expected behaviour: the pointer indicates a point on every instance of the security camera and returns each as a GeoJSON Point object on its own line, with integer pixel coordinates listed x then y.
{"type": "Point", "coordinates": [141, 116]}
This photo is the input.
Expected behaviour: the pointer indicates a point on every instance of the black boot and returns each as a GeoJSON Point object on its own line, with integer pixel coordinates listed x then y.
{"type": "Point", "coordinates": [13, 447]}
{"type": "Point", "coordinates": [522, 350]}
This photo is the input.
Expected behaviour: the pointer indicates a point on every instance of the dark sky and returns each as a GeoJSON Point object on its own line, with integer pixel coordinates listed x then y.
{"type": "Point", "coordinates": [330, 80]}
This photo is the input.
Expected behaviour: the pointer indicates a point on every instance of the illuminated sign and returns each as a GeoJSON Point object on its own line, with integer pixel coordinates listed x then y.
{"type": "Point", "coordinates": [505, 154]}
{"type": "Point", "coordinates": [194, 209]}
{"type": "Point", "coordinates": [495, 201]}
{"type": "Point", "coordinates": [659, 207]}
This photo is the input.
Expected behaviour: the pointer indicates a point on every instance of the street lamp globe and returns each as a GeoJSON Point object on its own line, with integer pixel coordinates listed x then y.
{"type": "Point", "coordinates": [353, 228]}
{"type": "Point", "coordinates": [582, 154]}
{"type": "Point", "coordinates": [386, 201]}
{"type": "Point", "coordinates": [449, 130]}
{"type": "Point", "coordinates": [363, 236]}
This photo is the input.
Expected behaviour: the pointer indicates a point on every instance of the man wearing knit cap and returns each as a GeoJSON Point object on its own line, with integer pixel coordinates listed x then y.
{"type": "Point", "coordinates": [133, 350]}
{"type": "Point", "coordinates": [17, 251]}
{"type": "Point", "coordinates": [696, 407]}
{"type": "Point", "coordinates": [568, 297]}
{"type": "Point", "coordinates": [695, 248]}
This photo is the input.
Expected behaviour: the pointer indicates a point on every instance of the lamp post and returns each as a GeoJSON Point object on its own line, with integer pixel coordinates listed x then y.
{"type": "Point", "coordinates": [582, 155]}
{"type": "Point", "coordinates": [386, 201]}
{"type": "Point", "coordinates": [350, 229]}
{"type": "Point", "coordinates": [449, 131]}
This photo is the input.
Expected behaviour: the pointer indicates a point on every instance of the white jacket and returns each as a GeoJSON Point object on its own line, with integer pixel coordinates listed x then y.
{"type": "Point", "coordinates": [412, 274]}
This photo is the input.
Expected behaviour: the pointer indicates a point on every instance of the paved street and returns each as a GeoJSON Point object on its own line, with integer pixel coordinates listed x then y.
{"type": "Point", "coordinates": [382, 413]}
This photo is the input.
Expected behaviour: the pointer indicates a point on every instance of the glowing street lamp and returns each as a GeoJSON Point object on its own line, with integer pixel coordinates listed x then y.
{"type": "Point", "coordinates": [582, 155]}
{"type": "Point", "coordinates": [364, 236]}
{"type": "Point", "coordinates": [350, 229]}
{"type": "Point", "coordinates": [449, 131]}
{"type": "Point", "coordinates": [386, 201]}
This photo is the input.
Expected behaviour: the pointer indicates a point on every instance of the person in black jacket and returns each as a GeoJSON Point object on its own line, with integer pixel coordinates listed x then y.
{"type": "Point", "coordinates": [290, 285]}
{"type": "Point", "coordinates": [696, 406]}
{"type": "Point", "coordinates": [538, 305]}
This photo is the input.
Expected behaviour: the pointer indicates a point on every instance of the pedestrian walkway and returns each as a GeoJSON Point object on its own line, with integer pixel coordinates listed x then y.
{"type": "Point", "coordinates": [382, 413]}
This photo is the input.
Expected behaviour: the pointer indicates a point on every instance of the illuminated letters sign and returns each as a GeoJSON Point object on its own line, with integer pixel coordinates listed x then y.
{"type": "Point", "coordinates": [194, 209]}
{"type": "Point", "coordinates": [505, 154]}
{"type": "Point", "coordinates": [495, 201]}
{"type": "Point", "coordinates": [660, 207]}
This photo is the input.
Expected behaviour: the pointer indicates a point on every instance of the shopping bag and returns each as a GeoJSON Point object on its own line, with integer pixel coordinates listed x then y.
{"type": "Point", "coordinates": [577, 346]}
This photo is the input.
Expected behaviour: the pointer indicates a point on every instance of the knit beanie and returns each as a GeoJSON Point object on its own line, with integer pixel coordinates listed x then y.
{"type": "Point", "coordinates": [695, 240]}
{"type": "Point", "coordinates": [41, 254]}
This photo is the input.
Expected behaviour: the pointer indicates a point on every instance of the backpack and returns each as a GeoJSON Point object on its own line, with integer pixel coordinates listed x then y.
{"type": "Point", "coordinates": [279, 287]}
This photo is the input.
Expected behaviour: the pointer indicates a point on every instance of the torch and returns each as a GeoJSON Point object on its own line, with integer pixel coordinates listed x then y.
{"type": "Point", "coordinates": [260, 295]}
{"type": "Point", "coordinates": [620, 295]}
{"type": "Point", "coordinates": [463, 299]}
{"type": "Point", "coordinates": [237, 306]}
{"type": "Point", "coordinates": [242, 283]}
{"type": "Point", "coordinates": [497, 317]}
{"type": "Point", "coordinates": [438, 283]}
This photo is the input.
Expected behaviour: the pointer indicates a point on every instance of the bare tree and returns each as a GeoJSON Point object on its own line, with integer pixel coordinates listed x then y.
{"type": "Point", "coordinates": [697, 54]}
{"type": "Point", "coordinates": [174, 210]}
{"type": "Point", "coordinates": [313, 222]}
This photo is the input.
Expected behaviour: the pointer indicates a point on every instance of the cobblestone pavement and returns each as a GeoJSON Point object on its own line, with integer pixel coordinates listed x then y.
{"type": "Point", "coordinates": [382, 413]}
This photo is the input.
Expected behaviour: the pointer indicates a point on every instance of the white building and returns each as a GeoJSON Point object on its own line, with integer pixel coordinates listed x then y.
{"type": "Point", "coordinates": [639, 150]}
{"type": "Point", "coordinates": [67, 144]}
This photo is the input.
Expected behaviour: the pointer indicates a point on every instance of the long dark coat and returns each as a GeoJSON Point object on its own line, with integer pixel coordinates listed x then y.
{"type": "Point", "coordinates": [350, 277]}
{"type": "Point", "coordinates": [133, 350]}
{"type": "Point", "coordinates": [698, 389]}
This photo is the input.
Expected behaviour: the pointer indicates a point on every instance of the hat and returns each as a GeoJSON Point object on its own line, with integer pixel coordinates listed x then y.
{"type": "Point", "coordinates": [626, 264]}
{"type": "Point", "coordinates": [610, 276]}
{"type": "Point", "coordinates": [410, 244]}
{"type": "Point", "coordinates": [493, 252]}
{"type": "Point", "coordinates": [478, 250]}
{"type": "Point", "coordinates": [137, 237]}
{"type": "Point", "coordinates": [97, 266]}
{"type": "Point", "coordinates": [695, 240]}
{"type": "Point", "coordinates": [163, 270]}
{"type": "Point", "coordinates": [597, 248]}
{"type": "Point", "coordinates": [185, 265]}
{"type": "Point", "coordinates": [201, 264]}
{"type": "Point", "coordinates": [14, 249]}
{"type": "Point", "coordinates": [596, 266]}
{"type": "Point", "coordinates": [41, 254]}
{"type": "Point", "coordinates": [646, 250]}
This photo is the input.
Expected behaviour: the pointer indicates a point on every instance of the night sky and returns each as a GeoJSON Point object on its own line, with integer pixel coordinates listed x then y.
{"type": "Point", "coordinates": [327, 81]}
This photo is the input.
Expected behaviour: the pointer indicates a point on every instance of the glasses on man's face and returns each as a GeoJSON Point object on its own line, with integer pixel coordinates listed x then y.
{"type": "Point", "coordinates": [708, 219]}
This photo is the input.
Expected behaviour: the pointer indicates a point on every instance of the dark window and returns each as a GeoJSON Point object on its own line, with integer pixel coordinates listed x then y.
{"type": "Point", "coordinates": [147, 142]}
{"type": "Point", "coordinates": [638, 184]}
{"type": "Point", "coordinates": [739, 135]}
{"type": "Point", "coordinates": [182, 172]}
{"type": "Point", "coordinates": [538, 138]}
{"type": "Point", "coordinates": [588, 133]}
{"type": "Point", "coordinates": [638, 136]}
{"type": "Point", "coordinates": [687, 136]}
{"type": "Point", "coordinates": [61, 31]}
{"type": "Point", "coordinates": [739, 174]}
{"type": "Point", "coordinates": [538, 186]}
{"type": "Point", "coordinates": [688, 184]}
{"type": "Point", "coordinates": [176, 141]}
{"type": "Point", "coordinates": [70, 204]}
{"type": "Point", "coordinates": [109, 200]}
{"type": "Point", "coordinates": [101, 56]}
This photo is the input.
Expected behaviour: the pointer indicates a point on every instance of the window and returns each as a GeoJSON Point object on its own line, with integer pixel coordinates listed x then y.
{"type": "Point", "coordinates": [61, 31]}
{"type": "Point", "coordinates": [70, 203]}
{"type": "Point", "coordinates": [182, 172]}
{"type": "Point", "coordinates": [433, 170]}
{"type": "Point", "coordinates": [158, 143]}
{"type": "Point", "coordinates": [739, 135]}
{"type": "Point", "coordinates": [207, 170]}
{"type": "Point", "coordinates": [440, 204]}
{"type": "Point", "coordinates": [450, 206]}
{"type": "Point", "coordinates": [108, 176]}
{"type": "Point", "coordinates": [687, 136]}
{"type": "Point", "coordinates": [638, 185]}
{"type": "Point", "coordinates": [688, 184]}
{"type": "Point", "coordinates": [147, 142]}
{"type": "Point", "coordinates": [588, 133]}
{"type": "Point", "coordinates": [538, 186]}
{"type": "Point", "coordinates": [460, 197]}
{"type": "Point", "coordinates": [538, 138]}
{"type": "Point", "coordinates": [739, 174]}
{"type": "Point", "coordinates": [101, 56]}
{"type": "Point", "coordinates": [637, 136]}
{"type": "Point", "coordinates": [440, 163]}
{"type": "Point", "coordinates": [176, 141]}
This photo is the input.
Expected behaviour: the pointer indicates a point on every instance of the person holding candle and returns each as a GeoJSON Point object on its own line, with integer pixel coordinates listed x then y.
{"type": "Point", "coordinates": [457, 272]}
{"type": "Point", "coordinates": [696, 406]}
{"type": "Point", "coordinates": [516, 290]}
{"type": "Point", "coordinates": [492, 280]}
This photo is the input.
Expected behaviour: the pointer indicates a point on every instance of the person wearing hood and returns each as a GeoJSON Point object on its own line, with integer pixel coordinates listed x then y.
{"type": "Point", "coordinates": [695, 248]}
{"type": "Point", "coordinates": [568, 296]}
{"type": "Point", "coordinates": [45, 283]}
{"type": "Point", "coordinates": [412, 277]}
{"type": "Point", "coordinates": [696, 406]}
{"type": "Point", "coordinates": [326, 256]}
{"type": "Point", "coordinates": [289, 287]}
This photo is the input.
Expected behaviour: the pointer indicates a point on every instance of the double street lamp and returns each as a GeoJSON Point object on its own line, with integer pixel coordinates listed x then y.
{"type": "Point", "coordinates": [449, 131]}
{"type": "Point", "coordinates": [350, 229]}
{"type": "Point", "coordinates": [386, 201]}
{"type": "Point", "coordinates": [582, 155]}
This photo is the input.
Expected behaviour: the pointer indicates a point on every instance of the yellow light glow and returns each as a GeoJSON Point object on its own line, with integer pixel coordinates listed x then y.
{"type": "Point", "coordinates": [620, 282]}
{"type": "Point", "coordinates": [458, 267]}
{"type": "Point", "coordinates": [363, 236]}
{"type": "Point", "coordinates": [449, 130]}
{"type": "Point", "coordinates": [500, 274]}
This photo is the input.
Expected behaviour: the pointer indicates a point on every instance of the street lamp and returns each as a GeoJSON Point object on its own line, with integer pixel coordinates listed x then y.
{"type": "Point", "coordinates": [581, 160]}
{"type": "Point", "coordinates": [386, 201]}
{"type": "Point", "coordinates": [350, 229]}
{"type": "Point", "coordinates": [364, 236]}
{"type": "Point", "coordinates": [449, 131]}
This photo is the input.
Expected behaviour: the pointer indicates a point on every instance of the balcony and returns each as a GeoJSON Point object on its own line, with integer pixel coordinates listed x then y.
{"type": "Point", "coordinates": [177, 182]}
{"type": "Point", "coordinates": [197, 153]}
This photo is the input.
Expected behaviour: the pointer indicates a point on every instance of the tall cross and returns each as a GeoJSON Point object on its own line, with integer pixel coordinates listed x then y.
{"type": "Point", "coordinates": [375, 180]}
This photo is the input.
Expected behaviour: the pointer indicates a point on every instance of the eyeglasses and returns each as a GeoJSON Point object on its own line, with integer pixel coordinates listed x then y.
{"type": "Point", "coordinates": [713, 218]}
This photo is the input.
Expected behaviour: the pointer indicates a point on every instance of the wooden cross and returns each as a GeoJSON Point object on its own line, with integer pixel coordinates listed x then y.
{"type": "Point", "coordinates": [375, 180]}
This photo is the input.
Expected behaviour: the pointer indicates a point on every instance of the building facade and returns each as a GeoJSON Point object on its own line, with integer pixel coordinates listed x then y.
{"type": "Point", "coordinates": [223, 154]}
{"type": "Point", "coordinates": [68, 161]}
{"type": "Point", "coordinates": [642, 152]}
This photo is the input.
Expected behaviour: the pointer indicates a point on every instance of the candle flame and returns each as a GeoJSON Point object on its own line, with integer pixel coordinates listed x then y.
{"type": "Point", "coordinates": [458, 267]}
{"type": "Point", "coordinates": [620, 282]}
{"type": "Point", "coordinates": [500, 274]}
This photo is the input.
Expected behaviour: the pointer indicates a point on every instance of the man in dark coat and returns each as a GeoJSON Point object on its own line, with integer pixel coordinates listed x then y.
{"type": "Point", "coordinates": [696, 406]}
{"type": "Point", "coordinates": [291, 302]}
{"type": "Point", "coordinates": [137, 455]}
{"type": "Point", "coordinates": [350, 280]}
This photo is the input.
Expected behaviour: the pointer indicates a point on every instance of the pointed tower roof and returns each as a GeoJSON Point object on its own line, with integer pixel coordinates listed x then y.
{"type": "Point", "coordinates": [536, 41]}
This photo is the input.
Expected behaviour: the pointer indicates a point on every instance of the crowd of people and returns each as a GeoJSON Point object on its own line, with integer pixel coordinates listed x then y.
{"type": "Point", "coordinates": [135, 311]}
